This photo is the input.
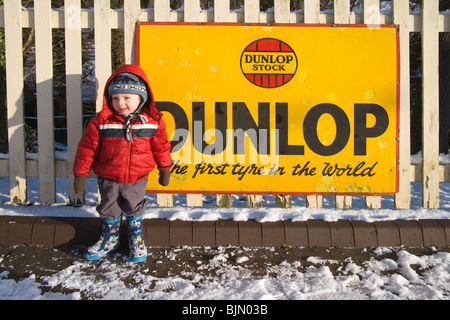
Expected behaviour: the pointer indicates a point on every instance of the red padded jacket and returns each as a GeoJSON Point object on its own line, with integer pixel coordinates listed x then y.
{"type": "Point", "coordinates": [104, 148]}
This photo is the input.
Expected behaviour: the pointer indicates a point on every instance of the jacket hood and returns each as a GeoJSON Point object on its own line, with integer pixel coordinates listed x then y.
{"type": "Point", "coordinates": [137, 70]}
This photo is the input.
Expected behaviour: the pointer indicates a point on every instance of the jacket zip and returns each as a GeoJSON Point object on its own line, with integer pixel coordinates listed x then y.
{"type": "Point", "coordinates": [129, 145]}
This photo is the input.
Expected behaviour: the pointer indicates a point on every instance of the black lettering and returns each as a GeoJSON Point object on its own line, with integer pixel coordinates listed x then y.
{"type": "Point", "coordinates": [177, 169]}
{"type": "Point", "coordinates": [281, 59]}
{"type": "Point", "coordinates": [310, 129]}
{"type": "Point", "coordinates": [361, 130]}
{"type": "Point", "coordinates": [241, 171]}
{"type": "Point", "coordinates": [282, 125]}
{"type": "Point", "coordinates": [181, 123]}
{"type": "Point", "coordinates": [299, 170]}
{"type": "Point", "coordinates": [198, 116]}
{"type": "Point", "coordinates": [330, 170]}
{"type": "Point", "coordinates": [198, 167]}
{"type": "Point", "coordinates": [243, 122]}
{"type": "Point", "coordinates": [368, 171]}
{"type": "Point", "coordinates": [276, 170]}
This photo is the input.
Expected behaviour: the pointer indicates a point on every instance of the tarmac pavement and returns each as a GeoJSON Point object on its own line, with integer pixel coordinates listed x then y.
{"type": "Point", "coordinates": [43, 246]}
{"type": "Point", "coordinates": [21, 261]}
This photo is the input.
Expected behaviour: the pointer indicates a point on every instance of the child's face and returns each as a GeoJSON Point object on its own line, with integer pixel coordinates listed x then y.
{"type": "Point", "coordinates": [125, 103]}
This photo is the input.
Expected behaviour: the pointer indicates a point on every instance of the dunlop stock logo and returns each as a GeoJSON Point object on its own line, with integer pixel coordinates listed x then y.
{"type": "Point", "coordinates": [269, 63]}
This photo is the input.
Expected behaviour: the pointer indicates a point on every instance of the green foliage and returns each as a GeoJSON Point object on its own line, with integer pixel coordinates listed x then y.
{"type": "Point", "coordinates": [31, 139]}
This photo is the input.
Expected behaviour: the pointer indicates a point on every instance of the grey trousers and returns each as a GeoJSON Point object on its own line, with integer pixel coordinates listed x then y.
{"type": "Point", "coordinates": [119, 199]}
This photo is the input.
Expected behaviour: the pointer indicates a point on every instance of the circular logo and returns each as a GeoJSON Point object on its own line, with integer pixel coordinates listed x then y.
{"type": "Point", "coordinates": [269, 63]}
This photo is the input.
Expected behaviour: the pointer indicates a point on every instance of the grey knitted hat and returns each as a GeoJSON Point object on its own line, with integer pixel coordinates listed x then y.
{"type": "Point", "coordinates": [128, 83]}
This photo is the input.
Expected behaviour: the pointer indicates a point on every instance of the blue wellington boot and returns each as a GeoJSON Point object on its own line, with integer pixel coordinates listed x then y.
{"type": "Point", "coordinates": [138, 251]}
{"type": "Point", "coordinates": [108, 242]}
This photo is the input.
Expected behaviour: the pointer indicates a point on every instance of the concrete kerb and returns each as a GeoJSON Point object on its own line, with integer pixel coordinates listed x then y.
{"type": "Point", "coordinates": [55, 231]}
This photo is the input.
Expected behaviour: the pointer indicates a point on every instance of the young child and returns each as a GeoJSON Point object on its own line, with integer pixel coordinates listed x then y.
{"type": "Point", "coordinates": [122, 144]}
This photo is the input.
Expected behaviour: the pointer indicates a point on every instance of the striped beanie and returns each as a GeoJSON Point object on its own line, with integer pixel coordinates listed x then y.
{"type": "Point", "coordinates": [128, 83]}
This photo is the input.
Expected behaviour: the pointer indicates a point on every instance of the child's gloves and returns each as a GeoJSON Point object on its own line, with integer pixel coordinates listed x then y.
{"type": "Point", "coordinates": [79, 183]}
{"type": "Point", "coordinates": [164, 177]}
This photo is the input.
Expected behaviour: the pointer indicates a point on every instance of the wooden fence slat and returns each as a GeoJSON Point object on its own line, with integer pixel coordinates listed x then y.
{"type": "Point", "coordinates": [430, 103]}
{"type": "Point", "coordinates": [74, 100]}
{"type": "Point", "coordinates": [401, 18]}
{"type": "Point", "coordinates": [341, 11]}
{"type": "Point", "coordinates": [102, 34]}
{"type": "Point", "coordinates": [102, 38]}
{"type": "Point", "coordinates": [87, 18]}
{"type": "Point", "coordinates": [15, 101]}
{"type": "Point", "coordinates": [162, 14]}
{"type": "Point", "coordinates": [281, 11]}
{"type": "Point", "coordinates": [311, 9]}
{"type": "Point", "coordinates": [371, 13]}
{"type": "Point", "coordinates": [251, 15]}
{"type": "Point", "coordinates": [372, 18]}
{"type": "Point", "coordinates": [191, 10]}
{"type": "Point", "coordinates": [132, 10]}
{"type": "Point", "coordinates": [162, 10]}
{"type": "Point", "coordinates": [251, 11]}
{"type": "Point", "coordinates": [191, 14]}
{"type": "Point", "coordinates": [281, 15]}
{"type": "Point", "coordinates": [44, 97]}
{"type": "Point", "coordinates": [221, 11]}
{"type": "Point", "coordinates": [342, 16]}
{"type": "Point", "coordinates": [222, 14]}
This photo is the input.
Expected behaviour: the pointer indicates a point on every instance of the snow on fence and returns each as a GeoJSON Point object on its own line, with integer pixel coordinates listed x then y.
{"type": "Point", "coordinates": [13, 18]}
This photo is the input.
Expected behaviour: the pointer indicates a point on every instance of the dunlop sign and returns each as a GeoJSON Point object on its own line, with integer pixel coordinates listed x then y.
{"type": "Point", "coordinates": [290, 109]}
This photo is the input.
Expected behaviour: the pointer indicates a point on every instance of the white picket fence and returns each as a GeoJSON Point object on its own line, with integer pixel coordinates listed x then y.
{"type": "Point", "coordinates": [102, 19]}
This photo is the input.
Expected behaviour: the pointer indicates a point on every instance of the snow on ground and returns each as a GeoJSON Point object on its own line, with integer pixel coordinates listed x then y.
{"type": "Point", "coordinates": [224, 277]}
{"type": "Point", "coordinates": [408, 276]}
{"type": "Point", "coordinates": [238, 212]}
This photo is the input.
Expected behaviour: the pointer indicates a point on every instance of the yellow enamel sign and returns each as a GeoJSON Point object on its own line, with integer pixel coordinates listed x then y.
{"type": "Point", "coordinates": [291, 109]}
